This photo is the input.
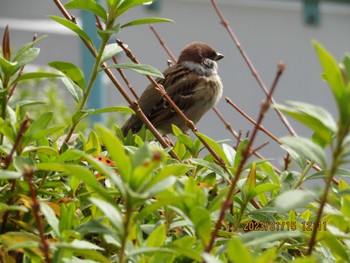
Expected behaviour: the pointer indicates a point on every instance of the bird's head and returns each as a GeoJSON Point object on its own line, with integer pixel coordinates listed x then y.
{"type": "Point", "coordinates": [200, 53]}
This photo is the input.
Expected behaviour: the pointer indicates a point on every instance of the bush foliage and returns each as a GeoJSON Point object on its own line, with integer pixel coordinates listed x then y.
{"type": "Point", "coordinates": [69, 196]}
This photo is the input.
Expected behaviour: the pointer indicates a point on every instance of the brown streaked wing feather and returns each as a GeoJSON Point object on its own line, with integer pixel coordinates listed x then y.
{"type": "Point", "coordinates": [179, 91]}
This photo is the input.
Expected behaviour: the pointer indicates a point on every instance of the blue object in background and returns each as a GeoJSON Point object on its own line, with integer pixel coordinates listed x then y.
{"type": "Point", "coordinates": [97, 97]}
{"type": "Point", "coordinates": [154, 6]}
{"type": "Point", "coordinates": [311, 12]}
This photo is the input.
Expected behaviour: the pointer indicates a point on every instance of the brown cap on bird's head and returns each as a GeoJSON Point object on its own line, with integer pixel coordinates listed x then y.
{"type": "Point", "coordinates": [197, 52]}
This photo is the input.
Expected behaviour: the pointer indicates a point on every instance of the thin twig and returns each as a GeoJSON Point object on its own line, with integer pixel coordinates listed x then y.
{"type": "Point", "coordinates": [245, 115]}
{"type": "Point", "coordinates": [251, 66]}
{"type": "Point", "coordinates": [259, 147]}
{"type": "Point", "coordinates": [245, 156]}
{"type": "Point", "coordinates": [228, 125]}
{"type": "Point", "coordinates": [162, 43]}
{"type": "Point", "coordinates": [24, 126]}
{"type": "Point", "coordinates": [44, 246]}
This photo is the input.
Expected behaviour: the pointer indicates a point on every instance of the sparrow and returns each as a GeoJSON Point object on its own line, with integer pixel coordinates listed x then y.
{"type": "Point", "coordinates": [192, 83]}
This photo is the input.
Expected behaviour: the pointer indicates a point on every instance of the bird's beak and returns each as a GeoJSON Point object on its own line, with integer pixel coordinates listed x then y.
{"type": "Point", "coordinates": [218, 57]}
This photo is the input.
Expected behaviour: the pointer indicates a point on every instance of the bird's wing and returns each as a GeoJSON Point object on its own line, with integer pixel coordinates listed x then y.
{"type": "Point", "coordinates": [179, 82]}
{"type": "Point", "coordinates": [180, 87]}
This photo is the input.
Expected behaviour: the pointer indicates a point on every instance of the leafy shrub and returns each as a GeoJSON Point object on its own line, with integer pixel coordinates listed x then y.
{"type": "Point", "coordinates": [63, 201]}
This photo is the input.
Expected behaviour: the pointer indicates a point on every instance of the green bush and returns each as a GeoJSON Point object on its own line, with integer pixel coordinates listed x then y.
{"type": "Point", "coordinates": [61, 201]}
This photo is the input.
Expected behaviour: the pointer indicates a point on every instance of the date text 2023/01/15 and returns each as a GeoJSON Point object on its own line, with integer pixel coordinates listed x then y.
{"type": "Point", "coordinates": [283, 226]}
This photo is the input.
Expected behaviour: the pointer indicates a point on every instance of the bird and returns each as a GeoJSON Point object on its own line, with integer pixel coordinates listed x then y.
{"type": "Point", "coordinates": [192, 83]}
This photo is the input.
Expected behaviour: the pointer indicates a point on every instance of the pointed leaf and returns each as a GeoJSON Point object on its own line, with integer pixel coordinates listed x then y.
{"type": "Point", "coordinates": [88, 5]}
{"type": "Point", "coordinates": [117, 151]}
{"type": "Point", "coordinates": [216, 147]}
{"type": "Point", "coordinates": [126, 5]}
{"type": "Point", "coordinates": [27, 46]}
{"type": "Point", "coordinates": [27, 57]}
{"type": "Point", "coordinates": [146, 21]}
{"type": "Point", "coordinates": [73, 89]}
{"type": "Point", "coordinates": [157, 237]}
{"type": "Point", "coordinates": [307, 148]}
{"type": "Point", "coordinates": [139, 68]}
{"type": "Point", "coordinates": [293, 199]}
{"type": "Point", "coordinates": [237, 251]}
{"type": "Point", "coordinates": [251, 179]}
{"type": "Point", "coordinates": [36, 75]}
{"type": "Point", "coordinates": [50, 217]}
{"type": "Point", "coordinates": [70, 25]}
{"type": "Point", "coordinates": [71, 71]}
{"type": "Point", "coordinates": [110, 51]}
{"type": "Point", "coordinates": [111, 213]}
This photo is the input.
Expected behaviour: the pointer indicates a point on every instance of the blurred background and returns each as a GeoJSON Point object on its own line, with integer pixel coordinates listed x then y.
{"type": "Point", "coordinates": [268, 30]}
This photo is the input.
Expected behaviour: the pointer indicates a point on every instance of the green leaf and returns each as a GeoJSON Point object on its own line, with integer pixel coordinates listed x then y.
{"type": "Point", "coordinates": [314, 117]}
{"type": "Point", "coordinates": [201, 221]}
{"type": "Point", "coordinates": [7, 175]}
{"type": "Point", "coordinates": [230, 153]}
{"type": "Point", "coordinates": [73, 89]}
{"type": "Point", "coordinates": [237, 251]}
{"type": "Point", "coordinates": [345, 66]}
{"type": "Point", "coordinates": [88, 5]}
{"type": "Point", "coordinates": [110, 51]}
{"type": "Point", "coordinates": [27, 46]}
{"type": "Point", "coordinates": [262, 188]}
{"type": "Point", "coordinates": [71, 71]}
{"type": "Point", "coordinates": [158, 187]}
{"type": "Point", "coordinates": [20, 162]}
{"type": "Point", "coordinates": [48, 131]}
{"type": "Point", "coordinates": [84, 249]}
{"type": "Point", "coordinates": [139, 68]}
{"type": "Point", "coordinates": [83, 174]}
{"type": "Point", "coordinates": [211, 166]}
{"type": "Point", "coordinates": [51, 218]}
{"type": "Point", "coordinates": [70, 25]}
{"type": "Point", "coordinates": [40, 124]}
{"type": "Point", "coordinates": [42, 149]}
{"type": "Point", "coordinates": [27, 57]}
{"type": "Point", "coordinates": [332, 74]}
{"type": "Point", "coordinates": [117, 152]}
{"type": "Point", "coordinates": [107, 33]}
{"type": "Point", "coordinates": [126, 5]}
{"type": "Point", "coordinates": [93, 143]}
{"type": "Point", "coordinates": [146, 21]}
{"type": "Point", "coordinates": [111, 213]}
{"type": "Point", "coordinates": [251, 179]}
{"type": "Point", "coordinates": [9, 68]}
{"type": "Point", "coordinates": [293, 199]}
{"type": "Point", "coordinates": [331, 70]}
{"type": "Point", "coordinates": [335, 246]}
{"type": "Point", "coordinates": [24, 103]}
{"type": "Point", "coordinates": [36, 75]}
{"type": "Point", "coordinates": [307, 148]}
{"type": "Point", "coordinates": [265, 238]}
{"type": "Point", "coordinates": [157, 237]}
{"type": "Point", "coordinates": [215, 146]}
{"type": "Point", "coordinates": [112, 3]}
{"type": "Point", "coordinates": [209, 258]}
{"type": "Point", "coordinates": [79, 115]}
